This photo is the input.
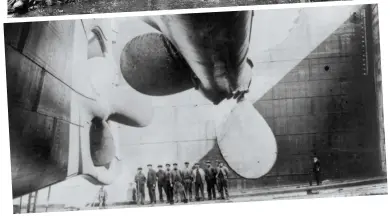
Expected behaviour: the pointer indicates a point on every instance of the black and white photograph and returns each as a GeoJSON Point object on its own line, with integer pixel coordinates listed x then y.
{"type": "Point", "coordinates": [195, 108]}
{"type": "Point", "coordinates": [34, 8]}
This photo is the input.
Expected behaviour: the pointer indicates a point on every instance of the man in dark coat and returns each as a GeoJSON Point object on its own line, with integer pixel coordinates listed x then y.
{"type": "Point", "coordinates": [160, 182]}
{"type": "Point", "coordinates": [222, 178]}
{"type": "Point", "coordinates": [187, 179]}
{"type": "Point", "coordinates": [316, 172]}
{"type": "Point", "coordinates": [102, 197]}
{"type": "Point", "coordinates": [178, 188]}
{"type": "Point", "coordinates": [151, 184]}
{"type": "Point", "coordinates": [140, 181]}
{"type": "Point", "coordinates": [198, 177]}
{"type": "Point", "coordinates": [169, 184]}
{"type": "Point", "coordinates": [210, 175]}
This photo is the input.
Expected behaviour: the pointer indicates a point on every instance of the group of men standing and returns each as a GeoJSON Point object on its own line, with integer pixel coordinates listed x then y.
{"type": "Point", "coordinates": [180, 183]}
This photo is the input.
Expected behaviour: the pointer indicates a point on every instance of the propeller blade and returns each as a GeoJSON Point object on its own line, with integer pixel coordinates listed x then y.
{"type": "Point", "coordinates": [246, 142]}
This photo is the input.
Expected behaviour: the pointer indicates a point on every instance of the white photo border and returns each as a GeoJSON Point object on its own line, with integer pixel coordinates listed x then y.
{"type": "Point", "coordinates": [368, 205]}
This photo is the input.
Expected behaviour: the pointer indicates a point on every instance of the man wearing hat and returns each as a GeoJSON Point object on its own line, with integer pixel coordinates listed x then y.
{"type": "Point", "coordinates": [178, 188]}
{"type": "Point", "coordinates": [222, 175]}
{"type": "Point", "coordinates": [160, 182]}
{"type": "Point", "coordinates": [102, 197]}
{"type": "Point", "coordinates": [151, 183]}
{"type": "Point", "coordinates": [211, 180]}
{"type": "Point", "coordinates": [169, 184]}
{"type": "Point", "coordinates": [140, 180]}
{"type": "Point", "coordinates": [216, 179]}
{"type": "Point", "coordinates": [187, 179]}
{"type": "Point", "coordinates": [316, 172]}
{"type": "Point", "coordinates": [198, 177]}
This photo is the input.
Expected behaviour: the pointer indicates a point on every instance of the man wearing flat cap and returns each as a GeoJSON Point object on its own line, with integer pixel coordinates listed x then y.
{"type": "Point", "coordinates": [222, 178]}
{"type": "Point", "coordinates": [187, 179]}
{"type": "Point", "coordinates": [198, 177]}
{"type": "Point", "coordinates": [140, 180]}
{"type": "Point", "coordinates": [178, 188]}
{"type": "Point", "coordinates": [160, 182]}
{"type": "Point", "coordinates": [217, 167]}
{"type": "Point", "coordinates": [169, 184]}
{"type": "Point", "coordinates": [211, 181]}
{"type": "Point", "coordinates": [151, 184]}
